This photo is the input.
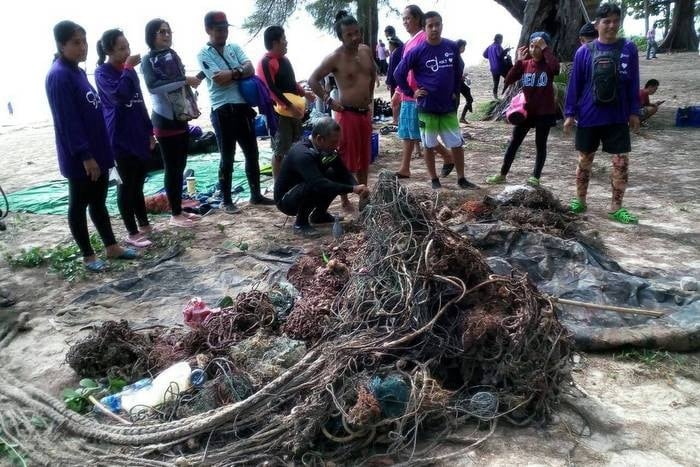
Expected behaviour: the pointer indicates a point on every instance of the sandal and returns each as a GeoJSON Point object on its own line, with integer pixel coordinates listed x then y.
{"type": "Point", "coordinates": [496, 180]}
{"type": "Point", "coordinates": [577, 206]}
{"type": "Point", "coordinates": [138, 242]}
{"type": "Point", "coordinates": [96, 265]}
{"type": "Point", "coordinates": [533, 181]}
{"type": "Point", "coordinates": [127, 253]}
{"type": "Point", "coordinates": [400, 175]}
{"type": "Point", "coordinates": [623, 216]}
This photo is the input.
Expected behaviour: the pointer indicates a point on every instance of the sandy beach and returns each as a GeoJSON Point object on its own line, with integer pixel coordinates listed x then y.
{"type": "Point", "coordinates": [649, 415]}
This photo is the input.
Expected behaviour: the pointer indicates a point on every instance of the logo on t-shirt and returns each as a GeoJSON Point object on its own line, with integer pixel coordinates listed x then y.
{"type": "Point", "coordinates": [434, 64]}
{"type": "Point", "coordinates": [93, 99]}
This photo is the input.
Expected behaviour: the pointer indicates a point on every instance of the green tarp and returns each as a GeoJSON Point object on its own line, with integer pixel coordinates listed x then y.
{"type": "Point", "coordinates": [52, 197]}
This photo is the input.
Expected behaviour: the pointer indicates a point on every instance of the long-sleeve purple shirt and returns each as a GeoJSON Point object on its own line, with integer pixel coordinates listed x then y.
{"type": "Point", "coordinates": [125, 114]}
{"type": "Point", "coordinates": [80, 128]}
{"type": "Point", "coordinates": [494, 53]}
{"type": "Point", "coordinates": [438, 70]}
{"type": "Point", "coordinates": [580, 102]}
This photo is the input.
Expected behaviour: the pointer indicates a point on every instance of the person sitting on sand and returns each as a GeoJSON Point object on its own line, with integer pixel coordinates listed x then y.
{"type": "Point", "coordinates": [352, 65]}
{"type": "Point", "coordinates": [311, 176]}
{"type": "Point", "coordinates": [535, 69]}
{"type": "Point", "coordinates": [82, 144]}
{"type": "Point", "coordinates": [646, 108]}
{"type": "Point", "coordinates": [129, 127]}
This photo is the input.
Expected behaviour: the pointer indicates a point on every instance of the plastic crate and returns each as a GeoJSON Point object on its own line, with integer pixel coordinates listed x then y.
{"type": "Point", "coordinates": [688, 116]}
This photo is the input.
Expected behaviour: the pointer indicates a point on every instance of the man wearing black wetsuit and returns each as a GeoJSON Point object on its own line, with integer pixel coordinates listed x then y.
{"type": "Point", "coordinates": [311, 176]}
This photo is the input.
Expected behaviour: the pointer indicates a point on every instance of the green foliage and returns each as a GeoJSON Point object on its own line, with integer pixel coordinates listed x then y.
{"type": "Point", "coordinates": [484, 109]}
{"type": "Point", "coordinates": [640, 42]}
{"type": "Point", "coordinates": [78, 400]}
{"type": "Point", "coordinates": [663, 362]}
{"type": "Point", "coordinates": [66, 259]}
{"type": "Point", "coordinates": [9, 452]}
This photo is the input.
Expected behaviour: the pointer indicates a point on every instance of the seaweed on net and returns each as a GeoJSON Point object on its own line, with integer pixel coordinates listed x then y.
{"type": "Point", "coordinates": [416, 310]}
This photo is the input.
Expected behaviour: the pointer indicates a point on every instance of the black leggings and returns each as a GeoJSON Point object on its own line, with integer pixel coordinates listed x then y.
{"type": "Point", "coordinates": [234, 123]}
{"type": "Point", "coordinates": [173, 149]}
{"type": "Point", "coordinates": [132, 206]}
{"type": "Point", "coordinates": [519, 133]}
{"type": "Point", "coordinates": [466, 91]}
{"type": "Point", "coordinates": [85, 194]}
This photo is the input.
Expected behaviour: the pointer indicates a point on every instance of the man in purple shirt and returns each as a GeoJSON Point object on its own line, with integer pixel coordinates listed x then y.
{"type": "Point", "coordinates": [606, 123]}
{"type": "Point", "coordinates": [495, 55]}
{"type": "Point", "coordinates": [437, 69]}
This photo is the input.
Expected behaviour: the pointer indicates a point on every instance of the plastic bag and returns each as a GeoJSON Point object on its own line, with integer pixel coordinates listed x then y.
{"type": "Point", "coordinates": [516, 112]}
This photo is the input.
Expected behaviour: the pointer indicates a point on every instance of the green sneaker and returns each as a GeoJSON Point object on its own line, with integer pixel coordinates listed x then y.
{"type": "Point", "coordinates": [623, 216]}
{"type": "Point", "coordinates": [496, 180]}
{"type": "Point", "coordinates": [577, 206]}
{"type": "Point", "coordinates": [533, 181]}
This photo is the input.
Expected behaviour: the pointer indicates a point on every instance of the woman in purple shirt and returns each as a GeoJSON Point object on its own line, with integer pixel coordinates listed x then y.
{"type": "Point", "coordinates": [129, 128]}
{"type": "Point", "coordinates": [82, 144]}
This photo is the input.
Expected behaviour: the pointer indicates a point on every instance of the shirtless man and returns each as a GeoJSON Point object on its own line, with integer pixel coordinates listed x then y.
{"type": "Point", "coordinates": [352, 65]}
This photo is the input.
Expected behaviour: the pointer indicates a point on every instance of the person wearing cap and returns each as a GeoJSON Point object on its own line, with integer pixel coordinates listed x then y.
{"type": "Point", "coordinates": [535, 68]}
{"type": "Point", "coordinates": [606, 123]}
{"type": "Point", "coordinates": [224, 66]}
{"type": "Point", "coordinates": [587, 33]}
{"type": "Point", "coordinates": [277, 72]}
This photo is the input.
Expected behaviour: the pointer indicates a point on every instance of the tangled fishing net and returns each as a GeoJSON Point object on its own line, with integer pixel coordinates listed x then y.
{"type": "Point", "coordinates": [417, 340]}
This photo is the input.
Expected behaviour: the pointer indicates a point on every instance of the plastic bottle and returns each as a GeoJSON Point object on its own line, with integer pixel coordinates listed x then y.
{"type": "Point", "coordinates": [165, 387]}
{"type": "Point", "coordinates": [114, 401]}
{"type": "Point", "coordinates": [337, 230]}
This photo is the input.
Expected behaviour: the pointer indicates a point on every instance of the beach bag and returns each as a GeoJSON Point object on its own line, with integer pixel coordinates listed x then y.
{"type": "Point", "coordinates": [184, 104]}
{"type": "Point", "coordinates": [516, 113]}
{"type": "Point", "coordinates": [605, 74]}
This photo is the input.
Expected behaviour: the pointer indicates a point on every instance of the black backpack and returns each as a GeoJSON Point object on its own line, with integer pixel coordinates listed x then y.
{"type": "Point", "coordinates": [605, 67]}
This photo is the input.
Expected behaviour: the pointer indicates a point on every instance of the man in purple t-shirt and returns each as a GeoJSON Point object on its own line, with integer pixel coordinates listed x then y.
{"type": "Point", "coordinates": [607, 123]}
{"type": "Point", "coordinates": [437, 69]}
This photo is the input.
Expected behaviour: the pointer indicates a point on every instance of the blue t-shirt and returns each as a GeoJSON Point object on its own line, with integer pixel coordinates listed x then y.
{"type": "Point", "coordinates": [80, 128]}
{"type": "Point", "coordinates": [211, 61]}
{"type": "Point", "coordinates": [580, 102]}
{"type": "Point", "coordinates": [436, 69]}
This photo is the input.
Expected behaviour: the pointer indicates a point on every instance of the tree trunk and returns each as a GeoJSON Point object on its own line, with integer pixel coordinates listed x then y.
{"type": "Point", "coordinates": [368, 17]}
{"type": "Point", "coordinates": [515, 7]}
{"type": "Point", "coordinates": [681, 34]}
{"type": "Point", "coordinates": [562, 19]}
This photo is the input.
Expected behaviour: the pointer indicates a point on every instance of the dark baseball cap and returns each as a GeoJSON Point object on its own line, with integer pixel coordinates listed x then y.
{"type": "Point", "coordinates": [588, 30]}
{"type": "Point", "coordinates": [215, 19]}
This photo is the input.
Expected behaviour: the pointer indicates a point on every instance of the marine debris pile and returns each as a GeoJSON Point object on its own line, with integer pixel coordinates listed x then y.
{"type": "Point", "coordinates": [400, 335]}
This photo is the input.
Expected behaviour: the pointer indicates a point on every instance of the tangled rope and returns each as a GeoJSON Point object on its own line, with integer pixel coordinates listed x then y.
{"type": "Point", "coordinates": [419, 339]}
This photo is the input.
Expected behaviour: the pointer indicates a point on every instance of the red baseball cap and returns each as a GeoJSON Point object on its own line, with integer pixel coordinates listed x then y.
{"type": "Point", "coordinates": [215, 19]}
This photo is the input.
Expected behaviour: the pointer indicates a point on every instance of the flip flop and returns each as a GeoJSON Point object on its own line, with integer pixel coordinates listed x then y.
{"type": "Point", "coordinates": [96, 266]}
{"type": "Point", "coordinates": [140, 242]}
{"type": "Point", "coordinates": [128, 253]}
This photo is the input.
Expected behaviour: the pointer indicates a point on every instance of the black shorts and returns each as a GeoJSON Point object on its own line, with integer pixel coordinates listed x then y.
{"type": "Point", "coordinates": [615, 139]}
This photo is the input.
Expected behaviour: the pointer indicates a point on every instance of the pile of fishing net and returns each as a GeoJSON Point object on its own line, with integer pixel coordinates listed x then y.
{"type": "Point", "coordinates": [418, 339]}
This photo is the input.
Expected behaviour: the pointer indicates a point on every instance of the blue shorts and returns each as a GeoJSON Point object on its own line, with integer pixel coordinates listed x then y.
{"type": "Point", "coordinates": [408, 121]}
